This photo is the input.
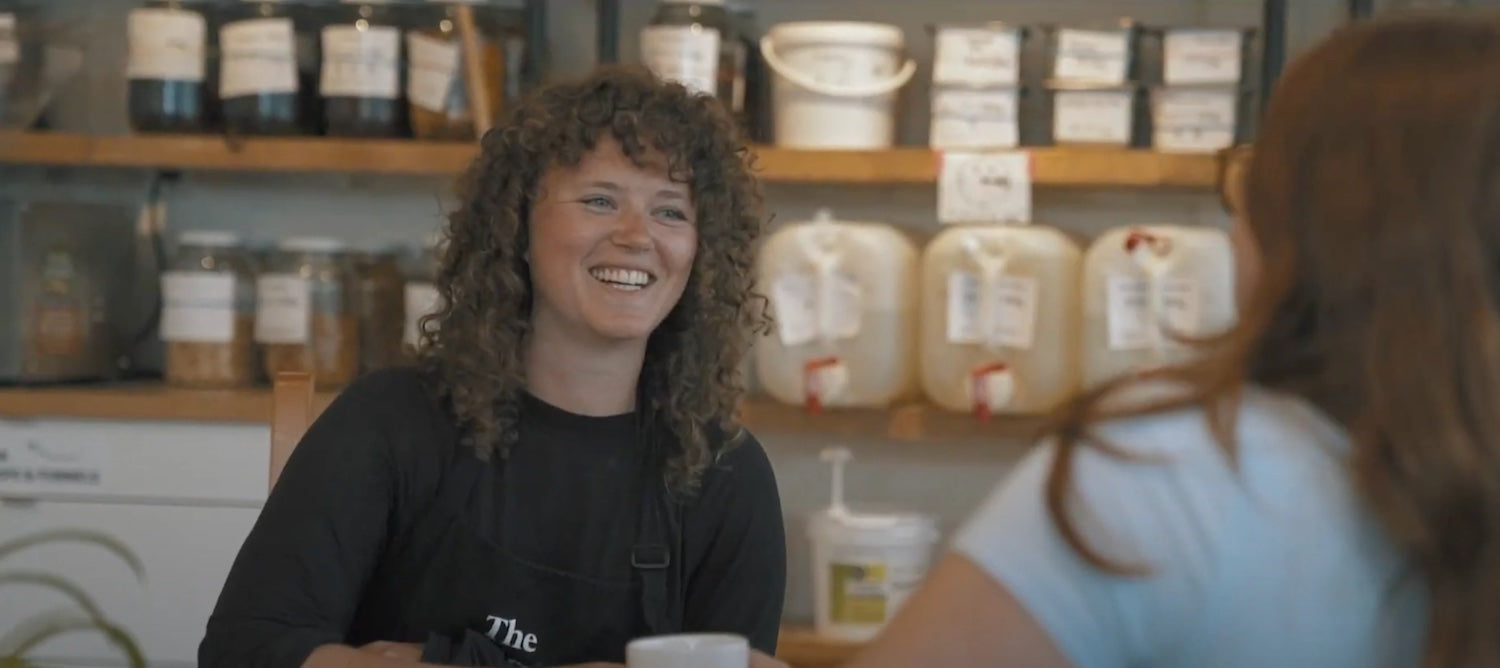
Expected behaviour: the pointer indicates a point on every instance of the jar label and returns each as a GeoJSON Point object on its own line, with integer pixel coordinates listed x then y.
{"type": "Point", "coordinates": [1195, 121]}
{"type": "Point", "coordinates": [808, 309]}
{"type": "Point", "coordinates": [10, 46]}
{"type": "Point", "coordinates": [966, 118]}
{"type": "Point", "coordinates": [283, 309]}
{"type": "Point", "coordinates": [1138, 321]}
{"type": "Point", "coordinates": [166, 44]}
{"type": "Point", "coordinates": [977, 57]}
{"type": "Point", "coordinates": [1097, 56]}
{"type": "Point", "coordinates": [361, 62]}
{"type": "Point", "coordinates": [1093, 116]}
{"type": "Point", "coordinates": [433, 67]}
{"type": "Point", "coordinates": [1197, 56]}
{"type": "Point", "coordinates": [686, 54]}
{"type": "Point", "coordinates": [259, 57]}
{"type": "Point", "coordinates": [1008, 320]}
{"type": "Point", "coordinates": [421, 300]}
{"type": "Point", "coordinates": [197, 307]}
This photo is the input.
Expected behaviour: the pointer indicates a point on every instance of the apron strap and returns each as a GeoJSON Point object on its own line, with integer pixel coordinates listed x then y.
{"type": "Point", "coordinates": [657, 553]}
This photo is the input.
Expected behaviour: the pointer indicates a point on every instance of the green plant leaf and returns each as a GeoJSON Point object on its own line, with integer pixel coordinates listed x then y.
{"type": "Point", "coordinates": [41, 628]}
{"type": "Point", "coordinates": [104, 541]}
{"type": "Point", "coordinates": [56, 583]}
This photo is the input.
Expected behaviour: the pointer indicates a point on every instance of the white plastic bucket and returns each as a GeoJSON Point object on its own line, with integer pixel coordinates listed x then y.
{"type": "Point", "coordinates": [865, 565]}
{"type": "Point", "coordinates": [835, 83]}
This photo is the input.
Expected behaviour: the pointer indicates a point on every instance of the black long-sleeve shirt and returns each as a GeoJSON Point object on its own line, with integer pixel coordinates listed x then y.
{"type": "Point", "coordinates": [310, 572]}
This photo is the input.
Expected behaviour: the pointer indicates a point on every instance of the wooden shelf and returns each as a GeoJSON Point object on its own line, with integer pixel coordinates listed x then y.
{"type": "Point", "coordinates": [1052, 167]}
{"type": "Point", "coordinates": [913, 422]}
{"type": "Point", "coordinates": [802, 648]}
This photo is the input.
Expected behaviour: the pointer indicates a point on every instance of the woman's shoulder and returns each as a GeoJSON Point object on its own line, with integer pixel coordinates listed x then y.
{"type": "Point", "coordinates": [739, 468]}
{"type": "Point", "coordinates": [405, 407]}
{"type": "Point", "coordinates": [1265, 422]}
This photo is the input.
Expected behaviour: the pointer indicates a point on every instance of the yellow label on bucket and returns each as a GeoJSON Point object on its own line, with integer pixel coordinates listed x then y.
{"type": "Point", "coordinates": [857, 593]}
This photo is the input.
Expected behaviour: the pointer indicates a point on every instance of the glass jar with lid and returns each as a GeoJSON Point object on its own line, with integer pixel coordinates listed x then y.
{"type": "Point", "coordinates": [360, 81]}
{"type": "Point", "coordinates": [208, 312]}
{"type": "Point", "coordinates": [268, 67]}
{"type": "Point", "coordinates": [381, 284]}
{"type": "Point", "coordinates": [437, 82]}
{"type": "Point", "coordinates": [694, 43]}
{"type": "Point", "coordinates": [168, 66]}
{"type": "Point", "coordinates": [305, 312]}
{"type": "Point", "coordinates": [421, 298]}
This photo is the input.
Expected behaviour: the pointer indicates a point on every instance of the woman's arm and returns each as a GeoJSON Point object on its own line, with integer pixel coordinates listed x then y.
{"type": "Point", "coordinates": [296, 582]}
{"type": "Point", "coordinates": [736, 548]}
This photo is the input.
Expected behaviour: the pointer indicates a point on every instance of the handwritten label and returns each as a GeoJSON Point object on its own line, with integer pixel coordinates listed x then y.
{"type": "Point", "coordinates": [977, 57]}
{"type": "Point", "coordinates": [434, 66]}
{"type": "Point", "coordinates": [197, 307]}
{"type": "Point", "coordinates": [10, 46]}
{"type": "Point", "coordinates": [974, 119]}
{"type": "Point", "coordinates": [1011, 314]}
{"type": "Point", "coordinates": [1132, 322]}
{"type": "Point", "coordinates": [990, 187]}
{"type": "Point", "coordinates": [804, 313]}
{"type": "Point", "coordinates": [361, 61]}
{"type": "Point", "coordinates": [29, 465]}
{"type": "Point", "coordinates": [166, 44]}
{"type": "Point", "coordinates": [259, 57]}
{"type": "Point", "coordinates": [1095, 56]}
{"type": "Point", "coordinates": [283, 309]}
{"type": "Point", "coordinates": [688, 55]}
{"type": "Point", "coordinates": [1200, 55]}
{"type": "Point", "coordinates": [1195, 121]}
{"type": "Point", "coordinates": [1093, 116]}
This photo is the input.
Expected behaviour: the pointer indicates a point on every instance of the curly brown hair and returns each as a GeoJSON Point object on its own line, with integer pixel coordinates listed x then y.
{"type": "Point", "coordinates": [690, 381]}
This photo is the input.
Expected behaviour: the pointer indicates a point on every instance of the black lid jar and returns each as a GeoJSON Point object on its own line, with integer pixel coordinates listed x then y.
{"type": "Point", "coordinates": [267, 68]}
{"type": "Point", "coordinates": [693, 42]}
{"type": "Point", "coordinates": [361, 80]}
{"type": "Point", "coordinates": [168, 66]}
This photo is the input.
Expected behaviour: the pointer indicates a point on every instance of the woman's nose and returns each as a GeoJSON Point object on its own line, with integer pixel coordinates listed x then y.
{"type": "Point", "coordinates": [633, 230]}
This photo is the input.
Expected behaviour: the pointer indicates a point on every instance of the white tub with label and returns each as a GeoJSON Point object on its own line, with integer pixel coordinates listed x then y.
{"type": "Point", "coordinates": [844, 296]}
{"type": "Point", "coordinates": [835, 83]}
{"type": "Point", "coordinates": [1143, 285]}
{"type": "Point", "coordinates": [865, 563]}
{"type": "Point", "coordinates": [1000, 316]}
{"type": "Point", "coordinates": [976, 86]}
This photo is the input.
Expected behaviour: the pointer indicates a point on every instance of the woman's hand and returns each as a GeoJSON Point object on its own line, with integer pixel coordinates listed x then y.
{"type": "Point", "coordinates": [395, 650]}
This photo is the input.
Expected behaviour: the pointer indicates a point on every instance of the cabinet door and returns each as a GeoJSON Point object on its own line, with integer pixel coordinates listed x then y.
{"type": "Point", "coordinates": [186, 552]}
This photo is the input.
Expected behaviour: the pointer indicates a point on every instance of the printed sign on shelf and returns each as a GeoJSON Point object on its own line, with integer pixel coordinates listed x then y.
{"type": "Point", "coordinates": [985, 187]}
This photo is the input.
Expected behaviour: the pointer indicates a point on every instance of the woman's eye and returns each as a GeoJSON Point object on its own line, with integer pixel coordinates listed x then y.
{"type": "Point", "coordinates": [598, 202]}
{"type": "Point", "coordinates": [672, 214]}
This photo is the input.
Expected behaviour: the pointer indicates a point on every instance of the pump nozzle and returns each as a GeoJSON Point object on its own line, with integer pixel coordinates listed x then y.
{"type": "Point", "coordinates": [837, 456]}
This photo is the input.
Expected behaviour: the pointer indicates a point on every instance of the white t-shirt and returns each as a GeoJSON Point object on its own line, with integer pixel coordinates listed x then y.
{"type": "Point", "coordinates": [1276, 564]}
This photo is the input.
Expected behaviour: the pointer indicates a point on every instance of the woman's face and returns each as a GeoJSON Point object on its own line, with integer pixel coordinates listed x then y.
{"type": "Point", "coordinates": [612, 245]}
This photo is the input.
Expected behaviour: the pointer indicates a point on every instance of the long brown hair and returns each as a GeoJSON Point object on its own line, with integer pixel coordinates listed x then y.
{"type": "Point", "coordinates": [1373, 194]}
{"type": "Point", "coordinates": [690, 383]}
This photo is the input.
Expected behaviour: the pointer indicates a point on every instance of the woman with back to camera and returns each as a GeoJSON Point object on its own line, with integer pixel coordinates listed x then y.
{"type": "Point", "coordinates": [560, 473]}
{"type": "Point", "coordinates": [1323, 487]}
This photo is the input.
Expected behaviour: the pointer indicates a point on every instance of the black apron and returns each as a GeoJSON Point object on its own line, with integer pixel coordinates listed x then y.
{"type": "Point", "coordinates": [534, 614]}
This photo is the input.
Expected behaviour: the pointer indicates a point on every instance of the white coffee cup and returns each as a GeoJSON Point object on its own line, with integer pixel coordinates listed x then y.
{"type": "Point", "coordinates": [689, 650]}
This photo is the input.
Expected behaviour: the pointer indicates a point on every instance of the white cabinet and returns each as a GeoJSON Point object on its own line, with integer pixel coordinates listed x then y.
{"type": "Point", "coordinates": [181, 496]}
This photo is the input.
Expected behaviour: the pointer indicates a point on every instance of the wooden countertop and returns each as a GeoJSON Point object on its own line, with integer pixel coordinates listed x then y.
{"type": "Point", "coordinates": [802, 648]}
{"type": "Point", "coordinates": [914, 422]}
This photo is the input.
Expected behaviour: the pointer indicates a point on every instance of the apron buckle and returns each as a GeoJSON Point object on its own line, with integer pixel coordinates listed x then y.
{"type": "Point", "coordinates": [651, 557]}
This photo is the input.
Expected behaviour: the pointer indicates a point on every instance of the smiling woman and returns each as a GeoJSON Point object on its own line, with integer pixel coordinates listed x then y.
{"type": "Point", "coordinates": [561, 472]}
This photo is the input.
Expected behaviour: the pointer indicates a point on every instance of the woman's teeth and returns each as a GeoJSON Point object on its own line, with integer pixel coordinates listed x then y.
{"type": "Point", "coordinates": [622, 279]}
